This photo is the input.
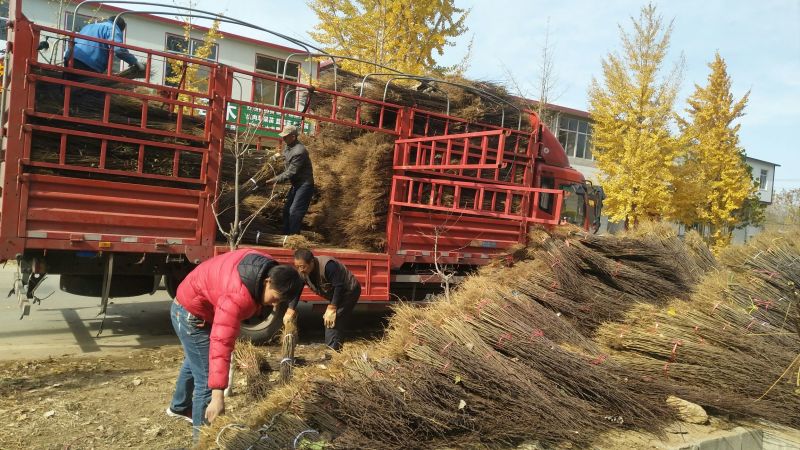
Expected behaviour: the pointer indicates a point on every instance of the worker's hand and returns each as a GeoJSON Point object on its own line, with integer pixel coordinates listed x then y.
{"type": "Point", "coordinates": [217, 405]}
{"type": "Point", "coordinates": [140, 66]}
{"type": "Point", "coordinates": [329, 318]}
{"type": "Point", "coordinates": [270, 181]}
{"type": "Point", "coordinates": [289, 316]}
{"type": "Point", "coordinates": [274, 156]}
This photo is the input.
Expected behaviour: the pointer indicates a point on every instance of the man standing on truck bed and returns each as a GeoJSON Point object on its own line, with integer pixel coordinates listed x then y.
{"type": "Point", "coordinates": [209, 307]}
{"type": "Point", "coordinates": [92, 56]}
{"type": "Point", "coordinates": [300, 173]}
{"type": "Point", "coordinates": [331, 280]}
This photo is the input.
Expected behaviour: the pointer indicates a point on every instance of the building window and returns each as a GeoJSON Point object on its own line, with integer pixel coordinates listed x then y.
{"type": "Point", "coordinates": [267, 91]}
{"type": "Point", "coordinates": [575, 135]}
{"type": "Point", "coordinates": [179, 44]}
{"type": "Point", "coordinates": [4, 21]}
{"type": "Point", "coordinates": [546, 200]}
{"type": "Point", "coordinates": [762, 180]}
{"type": "Point", "coordinates": [80, 22]}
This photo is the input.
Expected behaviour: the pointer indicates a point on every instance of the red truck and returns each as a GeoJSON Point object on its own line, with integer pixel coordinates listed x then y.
{"type": "Point", "coordinates": [459, 199]}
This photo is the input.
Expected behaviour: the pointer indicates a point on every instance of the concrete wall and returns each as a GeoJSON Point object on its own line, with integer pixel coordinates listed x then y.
{"type": "Point", "coordinates": [587, 168]}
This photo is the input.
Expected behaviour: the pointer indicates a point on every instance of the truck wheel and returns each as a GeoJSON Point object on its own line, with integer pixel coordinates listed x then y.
{"type": "Point", "coordinates": [174, 277]}
{"type": "Point", "coordinates": [263, 328]}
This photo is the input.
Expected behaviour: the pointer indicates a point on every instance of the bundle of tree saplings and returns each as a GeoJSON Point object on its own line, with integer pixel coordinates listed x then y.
{"type": "Point", "coordinates": [496, 365]}
{"type": "Point", "coordinates": [733, 346]}
{"type": "Point", "coordinates": [467, 372]}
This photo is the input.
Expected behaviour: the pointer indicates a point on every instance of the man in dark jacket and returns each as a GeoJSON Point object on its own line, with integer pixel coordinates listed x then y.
{"type": "Point", "coordinates": [330, 279]}
{"type": "Point", "coordinates": [300, 173]}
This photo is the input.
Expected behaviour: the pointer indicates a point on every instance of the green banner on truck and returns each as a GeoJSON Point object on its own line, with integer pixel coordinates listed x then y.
{"type": "Point", "coordinates": [267, 122]}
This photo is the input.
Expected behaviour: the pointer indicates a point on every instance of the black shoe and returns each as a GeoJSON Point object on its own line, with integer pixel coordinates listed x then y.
{"type": "Point", "coordinates": [185, 415]}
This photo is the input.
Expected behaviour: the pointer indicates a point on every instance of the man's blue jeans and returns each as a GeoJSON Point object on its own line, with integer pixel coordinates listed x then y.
{"type": "Point", "coordinates": [191, 389]}
{"type": "Point", "coordinates": [297, 201]}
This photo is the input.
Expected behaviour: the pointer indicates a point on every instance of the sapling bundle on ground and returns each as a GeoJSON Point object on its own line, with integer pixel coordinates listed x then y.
{"type": "Point", "coordinates": [288, 342]}
{"type": "Point", "coordinates": [511, 323]}
{"type": "Point", "coordinates": [619, 274]}
{"type": "Point", "coordinates": [705, 365]}
{"type": "Point", "coordinates": [724, 349]}
{"type": "Point", "coordinates": [251, 362]}
{"type": "Point", "coordinates": [765, 277]}
{"type": "Point", "coordinates": [503, 395]}
{"type": "Point", "coordinates": [663, 255]}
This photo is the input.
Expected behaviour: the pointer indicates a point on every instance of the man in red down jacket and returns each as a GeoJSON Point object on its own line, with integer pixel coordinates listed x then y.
{"type": "Point", "coordinates": [211, 303]}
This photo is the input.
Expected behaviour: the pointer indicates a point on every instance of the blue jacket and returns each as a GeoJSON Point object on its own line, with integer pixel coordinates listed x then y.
{"type": "Point", "coordinates": [95, 54]}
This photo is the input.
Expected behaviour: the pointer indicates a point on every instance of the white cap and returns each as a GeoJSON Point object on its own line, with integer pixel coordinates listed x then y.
{"type": "Point", "coordinates": [287, 130]}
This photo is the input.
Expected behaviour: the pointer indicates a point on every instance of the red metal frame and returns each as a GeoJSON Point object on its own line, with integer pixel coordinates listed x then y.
{"type": "Point", "coordinates": [448, 193]}
{"type": "Point", "coordinates": [336, 100]}
{"type": "Point", "coordinates": [371, 269]}
{"type": "Point", "coordinates": [481, 199]}
{"type": "Point", "coordinates": [455, 152]}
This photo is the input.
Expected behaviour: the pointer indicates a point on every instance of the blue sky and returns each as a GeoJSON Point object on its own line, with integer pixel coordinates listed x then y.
{"type": "Point", "coordinates": [759, 40]}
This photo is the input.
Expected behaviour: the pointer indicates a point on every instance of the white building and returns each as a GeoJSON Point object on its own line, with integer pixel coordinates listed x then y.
{"type": "Point", "coordinates": [764, 174]}
{"type": "Point", "coordinates": [158, 32]}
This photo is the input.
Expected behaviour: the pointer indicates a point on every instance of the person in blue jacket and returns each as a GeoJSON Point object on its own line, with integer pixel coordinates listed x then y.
{"type": "Point", "coordinates": [93, 56]}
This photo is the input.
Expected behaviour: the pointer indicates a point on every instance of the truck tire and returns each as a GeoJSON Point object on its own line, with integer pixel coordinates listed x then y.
{"type": "Point", "coordinates": [262, 329]}
{"type": "Point", "coordinates": [174, 277]}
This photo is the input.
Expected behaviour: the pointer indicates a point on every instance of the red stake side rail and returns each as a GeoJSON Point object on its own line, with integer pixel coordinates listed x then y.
{"type": "Point", "coordinates": [54, 202]}
{"type": "Point", "coordinates": [343, 109]}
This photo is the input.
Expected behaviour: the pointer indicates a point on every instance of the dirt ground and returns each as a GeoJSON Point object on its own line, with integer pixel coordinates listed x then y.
{"type": "Point", "coordinates": [69, 403]}
{"type": "Point", "coordinates": [115, 402]}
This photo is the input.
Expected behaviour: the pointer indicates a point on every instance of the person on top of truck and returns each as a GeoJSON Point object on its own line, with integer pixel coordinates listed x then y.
{"type": "Point", "coordinates": [300, 173]}
{"type": "Point", "coordinates": [331, 280]}
{"type": "Point", "coordinates": [92, 56]}
{"type": "Point", "coordinates": [209, 307]}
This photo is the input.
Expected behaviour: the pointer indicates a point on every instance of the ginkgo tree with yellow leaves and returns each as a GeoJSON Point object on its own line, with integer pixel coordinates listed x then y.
{"type": "Point", "coordinates": [714, 181]}
{"type": "Point", "coordinates": [402, 34]}
{"type": "Point", "coordinates": [632, 109]}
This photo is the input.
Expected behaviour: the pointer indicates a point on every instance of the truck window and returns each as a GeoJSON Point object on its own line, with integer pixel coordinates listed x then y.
{"type": "Point", "coordinates": [574, 207]}
{"type": "Point", "coordinates": [546, 200]}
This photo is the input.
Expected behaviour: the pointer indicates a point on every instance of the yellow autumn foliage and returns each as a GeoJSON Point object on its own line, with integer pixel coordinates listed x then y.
{"type": "Point", "coordinates": [632, 108]}
{"type": "Point", "coordinates": [189, 76]}
{"type": "Point", "coordinates": [715, 180]}
{"type": "Point", "coordinates": [402, 34]}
